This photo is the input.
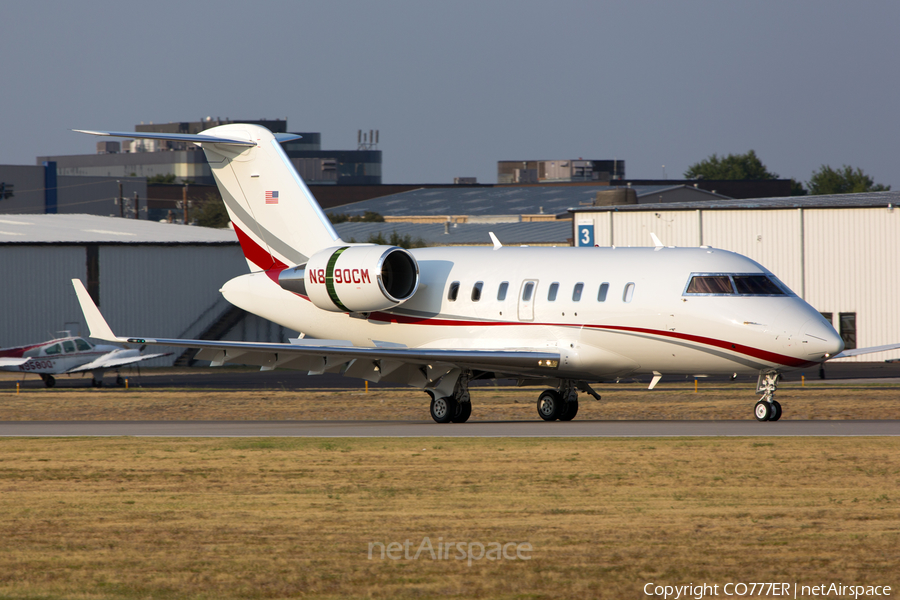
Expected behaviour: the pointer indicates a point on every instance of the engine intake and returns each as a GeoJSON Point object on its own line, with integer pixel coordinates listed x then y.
{"type": "Point", "coordinates": [359, 278]}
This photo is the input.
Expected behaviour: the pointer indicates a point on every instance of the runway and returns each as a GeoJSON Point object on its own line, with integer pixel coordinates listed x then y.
{"type": "Point", "coordinates": [538, 429]}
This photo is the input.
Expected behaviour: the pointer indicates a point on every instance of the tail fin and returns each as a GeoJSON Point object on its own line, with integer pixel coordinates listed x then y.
{"type": "Point", "coordinates": [276, 218]}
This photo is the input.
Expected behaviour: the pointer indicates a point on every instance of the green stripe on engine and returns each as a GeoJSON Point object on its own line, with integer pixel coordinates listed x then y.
{"type": "Point", "coordinates": [329, 279]}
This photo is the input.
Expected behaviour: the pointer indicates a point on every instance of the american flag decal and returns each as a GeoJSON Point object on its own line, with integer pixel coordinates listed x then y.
{"type": "Point", "coordinates": [271, 197]}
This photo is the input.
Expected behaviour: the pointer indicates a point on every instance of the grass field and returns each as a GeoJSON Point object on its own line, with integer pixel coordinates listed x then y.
{"type": "Point", "coordinates": [280, 518]}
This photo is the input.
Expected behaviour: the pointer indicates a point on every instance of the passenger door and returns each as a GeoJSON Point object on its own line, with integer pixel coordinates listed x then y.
{"type": "Point", "coordinates": [527, 294]}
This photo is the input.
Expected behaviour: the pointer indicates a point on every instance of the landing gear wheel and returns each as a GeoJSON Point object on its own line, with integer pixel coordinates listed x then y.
{"type": "Point", "coordinates": [443, 409]}
{"type": "Point", "coordinates": [550, 405]}
{"type": "Point", "coordinates": [776, 412]}
{"type": "Point", "coordinates": [569, 411]}
{"type": "Point", "coordinates": [763, 410]}
{"type": "Point", "coordinates": [49, 380]}
{"type": "Point", "coordinates": [97, 383]}
{"type": "Point", "coordinates": [463, 412]}
{"type": "Point", "coordinates": [120, 381]}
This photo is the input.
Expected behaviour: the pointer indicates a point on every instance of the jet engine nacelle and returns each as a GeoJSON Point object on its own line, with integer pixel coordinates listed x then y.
{"type": "Point", "coordinates": [358, 278]}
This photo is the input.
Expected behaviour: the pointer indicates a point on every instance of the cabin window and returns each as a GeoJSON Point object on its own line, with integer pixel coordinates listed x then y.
{"type": "Point", "coordinates": [69, 346]}
{"type": "Point", "coordinates": [476, 291]}
{"type": "Point", "coordinates": [551, 293]}
{"type": "Point", "coordinates": [54, 349]}
{"type": "Point", "coordinates": [848, 329]}
{"type": "Point", "coordinates": [82, 345]}
{"type": "Point", "coordinates": [601, 293]}
{"type": "Point", "coordinates": [756, 285]}
{"type": "Point", "coordinates": [501, 291]}
{"type": "Point", "coordinates": [576, 292]}
{"type": "Point", "coordinates": [628, 293]}
{"type": "Point", "coordinates": [527, 291]}
{"type": "Point", "coordinates": [453, 292]}
{"type": "Point", "coordinates": [710, 284]}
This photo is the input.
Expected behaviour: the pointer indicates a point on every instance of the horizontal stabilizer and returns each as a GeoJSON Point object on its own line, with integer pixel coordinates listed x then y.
{"type": "Point", "coordinates": [174, 137]}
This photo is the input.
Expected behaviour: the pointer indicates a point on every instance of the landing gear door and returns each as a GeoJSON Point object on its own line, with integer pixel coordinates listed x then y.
{"type": "Point", "coordinates": [526, 299]}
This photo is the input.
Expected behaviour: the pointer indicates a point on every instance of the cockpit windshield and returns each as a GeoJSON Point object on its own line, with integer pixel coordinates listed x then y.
{"type": "Point", "coordinates": [734, 284]}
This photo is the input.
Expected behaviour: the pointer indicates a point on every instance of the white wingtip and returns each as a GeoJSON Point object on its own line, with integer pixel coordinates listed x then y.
{"type": "Point", "coordinates": [495, 241]}
{"type": "Point", "coordinates": [96, 323]}
{"type": "Point", "coordinates": [656, 241]}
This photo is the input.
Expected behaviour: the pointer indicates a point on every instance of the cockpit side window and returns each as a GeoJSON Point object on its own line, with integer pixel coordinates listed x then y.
{"type": "Point", "coordinates": [69, 346]}
{"type": "Point", "coordinates": [82, 345]}
{"type": "Point", "coordinates": [709, 284]}
{"type": "Point", "coordinates": [54, 349]}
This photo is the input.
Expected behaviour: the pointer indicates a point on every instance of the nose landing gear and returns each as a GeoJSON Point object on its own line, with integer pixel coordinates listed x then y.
{"type": "Point", "coordinates": [767, 408]}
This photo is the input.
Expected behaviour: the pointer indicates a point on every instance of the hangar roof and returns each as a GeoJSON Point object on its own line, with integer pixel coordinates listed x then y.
{"type": "Point", "coordinates": [863, 200]}
{"type": "Point", "coordinates": [500, 200]}
{"type": "Point", "coordinates": [91, 229]}
{"type": "Point", "coordinates": [540, 232]}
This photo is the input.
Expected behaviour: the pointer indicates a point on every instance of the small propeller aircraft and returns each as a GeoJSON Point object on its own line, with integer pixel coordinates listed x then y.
{"type": "Point", "coordinates": [68, 355]}
{"type": "Point", "coordinates": [437, 318]}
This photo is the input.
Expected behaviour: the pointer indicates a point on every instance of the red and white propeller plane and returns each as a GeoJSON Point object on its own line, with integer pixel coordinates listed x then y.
{"type": "Point", "coordinates": [70, 355]}
{"type": "Point", "coordinates": [437, 318]}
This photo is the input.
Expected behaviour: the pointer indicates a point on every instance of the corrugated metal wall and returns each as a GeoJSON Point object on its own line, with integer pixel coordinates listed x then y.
{"type": "Point", "coordinates": [36, 296]}
{"type": "Point", "coordinates": [840, 260]}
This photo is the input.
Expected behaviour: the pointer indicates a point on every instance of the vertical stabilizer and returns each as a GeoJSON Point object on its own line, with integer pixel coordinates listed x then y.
{"type": "Point", "coordinates": [277, 219]}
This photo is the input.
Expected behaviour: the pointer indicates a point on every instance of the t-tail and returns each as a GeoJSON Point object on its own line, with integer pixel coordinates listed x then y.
{"type": "Point", "coordinates": [277, 220]}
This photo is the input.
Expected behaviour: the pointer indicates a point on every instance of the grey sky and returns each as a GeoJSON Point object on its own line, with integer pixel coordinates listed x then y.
{"type": "Point", "coordinates": [456, 86]}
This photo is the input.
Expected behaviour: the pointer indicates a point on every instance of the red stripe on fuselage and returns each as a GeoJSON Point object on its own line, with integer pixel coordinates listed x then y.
{"type": "Point", "coordinates": [259, 256]}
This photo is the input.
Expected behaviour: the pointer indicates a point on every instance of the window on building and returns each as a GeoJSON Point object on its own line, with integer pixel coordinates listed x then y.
{"type": "Point", "coordinates": [453, 292]}
{"type": "Point", "coordinates": [828, 317]}
{"type": "Point", "coordinates": [601, 293]}
{"type": "Point", "coordinates": [628, 293]}
{"type": "Point", "coordinates": [501, 291]}
{"type": "Point", "coordinates": [848, 329]}
{"type": "Point", "coordinates": [576, 292]}
{"type": "Point", "coordinates": [551, 293]}
{"type": "Point", "coordinates": [476, 291]}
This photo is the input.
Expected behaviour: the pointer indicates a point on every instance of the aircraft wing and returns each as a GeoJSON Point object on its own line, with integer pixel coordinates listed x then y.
{"type": "Point", "coordinates": [115, 359]}
{"type": "Point", "coordinates": [12, 362]}
{"type": "Point", "coordinates": [869, 350]}
{"type": "Point", "coordinates": [319, 356]}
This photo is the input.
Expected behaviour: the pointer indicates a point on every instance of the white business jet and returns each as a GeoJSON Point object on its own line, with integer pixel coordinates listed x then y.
{"type": "Point", "coordinates": [437, 318]}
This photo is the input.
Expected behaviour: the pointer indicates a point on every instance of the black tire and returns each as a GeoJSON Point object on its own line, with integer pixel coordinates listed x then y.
{"type": "Point", "coordinates": [550, 405]}
{"type": "Point", "coordinates": [49, 380]}
{"type": "Point", "coordinates": [569, 411]}
{"type": "Point", "coordinates": [443, 409]}
{"type": "Point", "coordinates": [763, 410]}
{"type": "Point", "coordinates": [463, 412]}
{"type": "Point", "coordinates": [777, 412]}
{"type": "Point", "coordinates": [97, 383]}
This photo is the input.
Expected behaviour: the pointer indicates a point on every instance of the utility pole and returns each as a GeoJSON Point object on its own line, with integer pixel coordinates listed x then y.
{"type": "Point", "coordinates": [137, 206]}
{"type": "Point", "coordinates": [121, 201]}
{"type": "Point", "coordinates": [184, 203]}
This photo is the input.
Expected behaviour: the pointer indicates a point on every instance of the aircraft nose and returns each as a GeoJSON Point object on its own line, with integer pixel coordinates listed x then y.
{"type": "Point", "coordinates": [819, 339]}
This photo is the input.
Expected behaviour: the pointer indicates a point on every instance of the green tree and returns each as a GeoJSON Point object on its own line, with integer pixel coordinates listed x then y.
{"type": "Point", "coordinates": [367, 217]}
{"type": "Point", "coordinates": [733, 166]}
{"type": "Point", "coordinates": [404, 241]}
{"type": "Point", "coordinates": [210, 212]}
{"type": "Point", "coordinates": [845, 180]}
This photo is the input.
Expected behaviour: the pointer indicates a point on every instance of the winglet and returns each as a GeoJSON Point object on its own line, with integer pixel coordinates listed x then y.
{"type": "Point", "coordinates": [656, 241]}
{"type": "Point", "coordinates": [96, 323]}
{"type": "Point", "coordinates": [494, 239]}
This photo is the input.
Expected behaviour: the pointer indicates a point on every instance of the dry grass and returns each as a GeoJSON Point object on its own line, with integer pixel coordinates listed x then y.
{"type": "Point", "coordinates": [279, 518]}
{"type": "Point", "coordinates": [722, 401]}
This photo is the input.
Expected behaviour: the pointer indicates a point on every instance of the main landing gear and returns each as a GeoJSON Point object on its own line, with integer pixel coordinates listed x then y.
{"type": "Point", "coordinates": [767, 409]}
{"type": "Point", "coordinates": [561, 403]}
{"type": "Point", "coordinates": [454, 408]}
